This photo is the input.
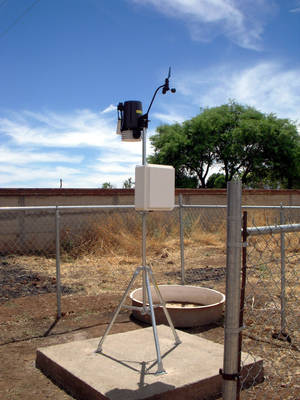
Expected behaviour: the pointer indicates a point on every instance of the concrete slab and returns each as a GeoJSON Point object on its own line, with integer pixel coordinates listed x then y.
{"type": "Point", "coordinates": [126, 368]}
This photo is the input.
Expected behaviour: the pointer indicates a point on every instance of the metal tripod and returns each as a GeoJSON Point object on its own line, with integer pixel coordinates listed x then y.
{"type": "Point", "coordinates": [148, 307]}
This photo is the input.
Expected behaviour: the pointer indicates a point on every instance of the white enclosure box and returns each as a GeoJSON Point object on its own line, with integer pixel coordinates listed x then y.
{"type": "Point", "coordinates": [154, 187]}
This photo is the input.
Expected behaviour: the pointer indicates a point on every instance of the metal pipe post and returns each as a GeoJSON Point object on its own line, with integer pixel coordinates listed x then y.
{"type": "Point", "coordinates": [181, 227]}
{"type": "Point", "coordinates": [282, 262]}
{"type": "Point", "coordinates": [57, 251]}
{"type": "Point", "coordinates": [144, 161]}
{"type": "Point", "coordinates": [144, 227]}
{"type": "Point", "coordinates": [232, 305]}
{"type": "Point", "coordinates": [144, 235]}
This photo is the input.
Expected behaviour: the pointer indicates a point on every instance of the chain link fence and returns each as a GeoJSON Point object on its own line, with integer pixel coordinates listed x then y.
{"type": "Point", "coordinates": [27, 250]}
{"type": "Point", "coordinates": [203, 227]}
{"type": "Point", "coordinates": [90, 250]}
{"type": "Point", "coordinates": [271, 269]}
{"type": "Point", "coordinates": [97, 248]}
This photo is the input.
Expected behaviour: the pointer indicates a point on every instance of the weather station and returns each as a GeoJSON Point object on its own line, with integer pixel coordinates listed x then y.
{"type": "Point", "coordinates": [154, 191]}
{"type": "Point", "coordinates": [125, 365]}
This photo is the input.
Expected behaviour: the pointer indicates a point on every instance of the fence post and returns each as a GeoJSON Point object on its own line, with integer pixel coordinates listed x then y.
{"type": "Point", "coordinates": [243, 291]}
{"type": "Point", "coordinates": [57, 251]}
{"type": "Point", "coordinates": [181, 227]}
{"type": "Point", "coordinates": [282, 262]}
{"type": "Point", "coordinates": [232, 306]}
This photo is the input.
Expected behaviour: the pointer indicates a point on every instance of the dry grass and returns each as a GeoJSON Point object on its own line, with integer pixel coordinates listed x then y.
{"type": "Point", "coordinates": [102, 256]}
{"type": "Point", "coordinates": [119, 234]}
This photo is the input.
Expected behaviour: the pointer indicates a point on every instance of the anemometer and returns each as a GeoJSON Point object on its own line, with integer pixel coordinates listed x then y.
{"type": "Point", "coordinates": [131, 120]}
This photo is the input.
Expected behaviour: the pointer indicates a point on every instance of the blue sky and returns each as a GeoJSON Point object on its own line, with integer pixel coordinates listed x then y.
{"type": "Point", "coordinates": [65, 65]}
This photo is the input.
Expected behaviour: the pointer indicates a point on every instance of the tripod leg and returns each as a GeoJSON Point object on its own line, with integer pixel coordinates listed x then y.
{"type": "Point", "coordinates": [160, 368]}
{"type": "Point", "coordinates": [176, 337]}
{"type": "Point", "coordinates": [136, 272]}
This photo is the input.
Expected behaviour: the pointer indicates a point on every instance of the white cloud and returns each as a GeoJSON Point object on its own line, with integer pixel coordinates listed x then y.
{"type": "Point", "coordinates": [268, 86]}
{"type": "Point", "coordinates": [109, 109]}
{"type": "Point", "coordinates": [108, 158]}
{"type": "Point", "coordinates": [35, 146]}
{"type": "Point", "coordinates": [11, 176]}
{"type": "Point", "coordinates": [170, 118]}
{"type": "Point", "coordinates": [297, 7]}
{"type": "Point", "coordinates": [21, 157]}
{"type": "Point", "coordinates": [242, 21]}
{"type": "Point", "coordinates": [112, 168]}
{"type": "Point", "coordinates": [83, 128]}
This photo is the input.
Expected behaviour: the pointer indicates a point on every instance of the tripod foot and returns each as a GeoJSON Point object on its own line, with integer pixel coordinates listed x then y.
{"type": "Point", "coordinates": [160, 370]}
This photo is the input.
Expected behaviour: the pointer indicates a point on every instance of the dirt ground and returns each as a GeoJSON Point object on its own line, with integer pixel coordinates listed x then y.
{"type": "Point", "coordinates": [29, 323]}
{"type": "Point", "coordinates": [28, 319]}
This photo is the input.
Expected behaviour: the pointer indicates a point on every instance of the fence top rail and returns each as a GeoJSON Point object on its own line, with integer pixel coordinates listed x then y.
{"type": "Point", "coordinates": [203, 206]}
{"type": "Point", "coordinates": [61, 207]}
{"type": "Point", "coordinates": [24, 208]}
{"type": "Point", "coordinates": [245, 206]}
{"type": "Point", "coordinates": [274, 207]}
{"type": "Point", "coordinates": [264, 230]}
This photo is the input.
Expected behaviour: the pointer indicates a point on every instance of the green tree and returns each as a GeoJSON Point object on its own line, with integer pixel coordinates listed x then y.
{"type": "Point", "coordinates": [241, 140]}
{"type": "Point", "coordinates": [176, 145]}
{"type": "Point", "coordinates": [128, 183]}
{"type": "Point", "coordinates": [106, 185]}
{"type": "Point", "coordinates": [216, 180]}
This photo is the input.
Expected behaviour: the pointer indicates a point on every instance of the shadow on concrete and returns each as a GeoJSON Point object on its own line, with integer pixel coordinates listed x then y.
{"type": "Point", "coordinates": [144, 391]}
{"type": "Point", "coordinates": [204, 328]}
{"type": "Point", "coordinates": [143, 371]}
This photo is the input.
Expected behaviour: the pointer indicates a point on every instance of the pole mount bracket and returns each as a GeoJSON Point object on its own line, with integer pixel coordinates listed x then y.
{"type": "Point", "coordinates": [229, 377]}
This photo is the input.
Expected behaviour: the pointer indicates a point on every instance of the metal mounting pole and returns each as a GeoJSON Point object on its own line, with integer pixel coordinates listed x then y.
{"type": "Point", "coordinates": [146, 282]}
{"type": "Point", "coordinates": [148, 307]}
{"type": "Point", "coordinates": [144, 228]}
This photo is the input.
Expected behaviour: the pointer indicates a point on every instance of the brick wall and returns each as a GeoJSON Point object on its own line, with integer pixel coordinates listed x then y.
{"type": "Point", "coordinates": [50, 197]}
